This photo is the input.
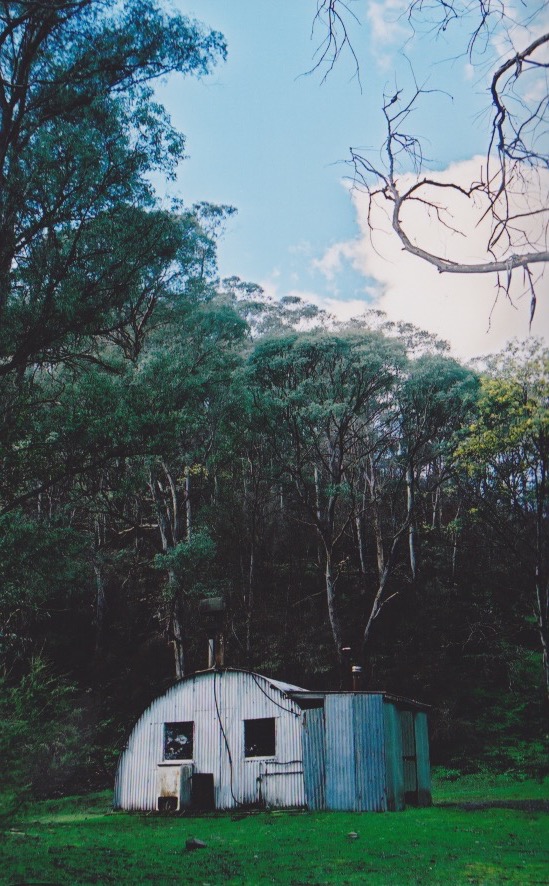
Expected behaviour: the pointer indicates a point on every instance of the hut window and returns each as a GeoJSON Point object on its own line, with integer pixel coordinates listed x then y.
{"type": "Point", "coordinates": [178, 741]}
{"type": "Point", "coordinates": [260, 737]}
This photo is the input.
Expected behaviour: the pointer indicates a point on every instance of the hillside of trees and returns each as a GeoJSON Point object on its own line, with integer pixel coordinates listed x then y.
{"type": "Point", "coordinates": [168, 437]}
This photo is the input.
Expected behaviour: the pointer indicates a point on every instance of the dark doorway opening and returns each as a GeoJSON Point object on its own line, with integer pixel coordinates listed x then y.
{"type": "Point", "coordinates": [409, 758]}
{"type": "Point", "coordinates": [202, 792]}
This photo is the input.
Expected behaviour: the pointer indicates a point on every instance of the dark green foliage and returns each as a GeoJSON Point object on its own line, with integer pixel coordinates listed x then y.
{"type": "Point", "coordinates": [44, 570]}
{"type": "Point", "coordinates": [44, 738]}
{"type": "Point", "coordinates": [82, 248]}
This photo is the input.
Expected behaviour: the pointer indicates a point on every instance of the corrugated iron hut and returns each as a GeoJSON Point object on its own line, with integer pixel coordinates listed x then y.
{"type": "Point", "coordinates": [226, 738]}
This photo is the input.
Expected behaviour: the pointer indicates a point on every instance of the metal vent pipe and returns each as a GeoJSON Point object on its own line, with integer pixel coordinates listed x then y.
{"type": "Point", "coordinates": [356, 673]}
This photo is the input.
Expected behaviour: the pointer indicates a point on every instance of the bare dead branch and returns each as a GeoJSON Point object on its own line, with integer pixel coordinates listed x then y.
{"type": "Point", "coordinates": [388, 184]}
{"type": "Point", "coordinates": [336, 39]}
{"type": "Point", "coordinates": [517, 143]}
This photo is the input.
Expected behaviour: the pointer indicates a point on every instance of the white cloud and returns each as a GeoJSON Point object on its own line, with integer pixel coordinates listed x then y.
{"type": "Point", "coordinates": [341, 309]}
{"type": "Point", "coordinates": [387, 28]}
{"type": "Point", "coordinates": [469, 71]}
{"type": "Point", "coordinates": [520, 27]}
{"type": "Point", "coordinates": [386, 20]}
{"type": "Point", "coordinates": [331, 262]}
{"type": "Point", "coordinates": [458, 308]}
{"type": "Point", "coordinates": [269, 285]}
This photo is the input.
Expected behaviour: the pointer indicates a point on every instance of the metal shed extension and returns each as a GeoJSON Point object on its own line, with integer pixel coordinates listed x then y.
{"type": "Point", "coordinates": [364, 751]}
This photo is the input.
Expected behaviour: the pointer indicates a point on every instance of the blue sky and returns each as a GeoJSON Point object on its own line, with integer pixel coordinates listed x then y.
{"type": "Point", "coordinates": [270, 140]}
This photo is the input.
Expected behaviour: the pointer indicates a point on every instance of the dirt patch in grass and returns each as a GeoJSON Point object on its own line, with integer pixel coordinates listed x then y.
{"type": "Point", "coordinates": [478, 805]}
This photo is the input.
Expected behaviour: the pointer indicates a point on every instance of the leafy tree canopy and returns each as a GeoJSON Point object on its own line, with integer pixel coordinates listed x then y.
{"type": "Point", "coordinates": [82, 248]}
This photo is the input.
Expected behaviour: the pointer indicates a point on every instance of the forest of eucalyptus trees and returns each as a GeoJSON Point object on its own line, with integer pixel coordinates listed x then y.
{"type": "Point", "coordinates": [168, 438]}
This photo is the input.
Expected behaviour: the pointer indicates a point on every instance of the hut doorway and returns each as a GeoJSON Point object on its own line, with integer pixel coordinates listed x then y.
{"type": "Point", "coordinates": [409, 758]}
{"type": "Point", "coordinates": [202, 792]}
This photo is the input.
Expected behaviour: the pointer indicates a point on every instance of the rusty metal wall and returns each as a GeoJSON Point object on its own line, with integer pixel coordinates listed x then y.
{"type": "Point", "coordinates": [218, 703]}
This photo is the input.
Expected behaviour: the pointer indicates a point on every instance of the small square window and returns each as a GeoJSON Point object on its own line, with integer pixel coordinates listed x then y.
{"type": "Point", "coordinates": [178, 741]}
{"type": "Point", "coordinates": [260, 737]}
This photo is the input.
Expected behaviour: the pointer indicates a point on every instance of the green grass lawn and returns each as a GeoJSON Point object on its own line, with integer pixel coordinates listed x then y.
{"type": "Point", "coordinates": [79, 840]}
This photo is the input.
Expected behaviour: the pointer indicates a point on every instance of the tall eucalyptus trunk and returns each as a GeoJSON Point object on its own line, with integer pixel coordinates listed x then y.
{"type": "Point", "coordinates": [331, 598]}
{"type": "Point", "coordinates": [410, 505]}
{"type": "Point", "coordinates": [100, 583]}
{"type": "Point", "coordinates": [166, 501]}
{"type": "Point", "coordinates": [100, 605]}
{"type": "Point", "coordinates": [176, 627]}
{"type": "Point", "coordinates": [250, 602]}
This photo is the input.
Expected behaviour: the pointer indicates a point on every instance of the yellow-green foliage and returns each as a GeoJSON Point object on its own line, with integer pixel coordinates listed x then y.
{"type": "Point", "coordinates": [513, 413]}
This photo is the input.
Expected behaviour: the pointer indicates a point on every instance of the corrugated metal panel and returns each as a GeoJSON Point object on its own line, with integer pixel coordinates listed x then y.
{"type": "Point", "coordinates": [284, 687]}
{"type": "Point", "coordinates": [401, 700]}
{"type": "Point", "coordinates": [355, 755]}
{"type": "Point", "coordinates": [217, 703]}
{"type": "Point", "coordinates": [393, 758]}
{"type": "Point", "coordinates": [423, 764]}
{"type": "Point", "coordinates": [409, 752]}
{"type": "Point", "coordinates": [281, 781]}
{"type": "Point", "coordinates": [314, 757]}
{"type": "Point", "coordinates": [369, 736]}
{"type": "Point", "coordinates": [340, 752]}
{"type": "Point", "coordinates": [278, 684]}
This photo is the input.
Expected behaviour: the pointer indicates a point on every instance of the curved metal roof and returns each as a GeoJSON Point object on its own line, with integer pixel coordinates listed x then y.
{"type": "Point", "coordinates": [277, 684]}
